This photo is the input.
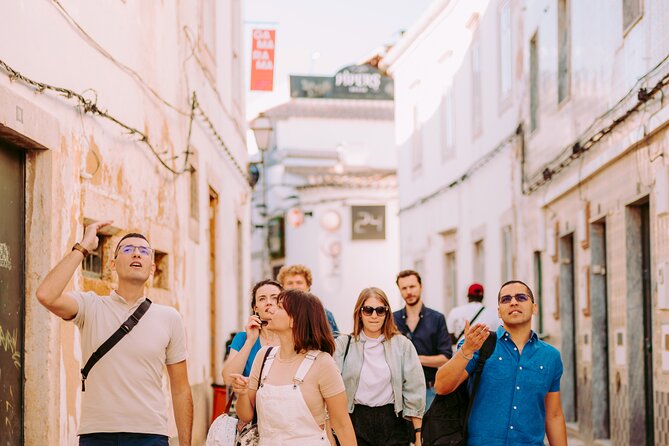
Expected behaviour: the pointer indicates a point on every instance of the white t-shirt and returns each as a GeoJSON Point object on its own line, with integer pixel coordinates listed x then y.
{"type": "Point", "coordinates": [375, 386]}
{"type": "Point", "coordinates": [124, 390]}
{"type": "Point", "coordinates": [458, 316]}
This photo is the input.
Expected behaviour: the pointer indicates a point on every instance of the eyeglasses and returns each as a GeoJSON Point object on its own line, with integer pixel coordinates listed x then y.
{"type": "Point", "coordinates": [144, 251]}
{"type": "Point", "coordinates": [520, 297]}
{"type": "Point", "coordinates": [367, 310]}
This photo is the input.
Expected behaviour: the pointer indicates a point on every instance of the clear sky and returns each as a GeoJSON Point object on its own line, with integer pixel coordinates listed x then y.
{"type": "Point", "coordinates": [319, 37]}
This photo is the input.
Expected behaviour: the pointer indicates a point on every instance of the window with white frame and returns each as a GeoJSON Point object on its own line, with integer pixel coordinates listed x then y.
{"type": "Point", "coordinates": [564, 50]}
{"type": "Point", "coordinates": [417, 142]}
{"type": "Point", "coordinates": [632, 12]}
{"type": "Point", "coordinates": [447, 127]}
{"type": "Point", "coordinates": [505, 51]}
{"type": "Point", "coordinates": [534, 83]}
{"type": "Point", "coordinates": [477, 105]}
{"type": "Point", "coordinates": [507, 253]}
{"type": "Point", "coordinates": [479, 261]}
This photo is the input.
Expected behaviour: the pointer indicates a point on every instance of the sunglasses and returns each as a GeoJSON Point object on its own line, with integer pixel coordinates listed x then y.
{"type": "Point", "coordinates": [520, 297]}
{"type": "Point", "coordinates": [144, 251]}
{"type": "Point", "coordinates": [367, 310]}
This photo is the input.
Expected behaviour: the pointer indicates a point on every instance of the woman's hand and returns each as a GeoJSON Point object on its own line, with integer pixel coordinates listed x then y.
{"type": "Point", "coordinates": [253, 328]}
{"type": "Point", "coordinates": [475, 336]}
{"type": "Point", "coordinates": [240, 384]}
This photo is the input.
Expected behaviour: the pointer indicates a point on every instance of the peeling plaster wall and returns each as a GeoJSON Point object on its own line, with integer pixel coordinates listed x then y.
{"type": "Point", "coordinates": [91, 169]}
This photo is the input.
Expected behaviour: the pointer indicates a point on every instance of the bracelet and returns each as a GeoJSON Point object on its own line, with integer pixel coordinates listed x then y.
{"type": "Point", "coordinates": [462, 352]}
{"type": "Point", "coordinates": [417, 430]}
{"type": "Point", "coordinates": [81, 249]}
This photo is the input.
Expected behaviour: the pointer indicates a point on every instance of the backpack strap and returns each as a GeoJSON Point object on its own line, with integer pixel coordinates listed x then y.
{"type": "Point", "coordinates": [471, 322]}
{"type": "Point", "coordinates": [486, 350]}
{"type": "Point", "coordinates": [114, 339]}
{"type": "Point", "coordinates": [307, 362]}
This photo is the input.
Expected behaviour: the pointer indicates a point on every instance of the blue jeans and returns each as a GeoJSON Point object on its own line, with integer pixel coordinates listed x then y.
{"type": "Point", "coordinates": [122, 439]}
{"type": "Point", "coordinates": [429, 397]}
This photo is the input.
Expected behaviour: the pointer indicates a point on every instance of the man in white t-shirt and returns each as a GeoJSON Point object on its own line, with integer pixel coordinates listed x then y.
{"type": "Point", "coordinates": [123, 400]}
{"type": "Point", "coordinates": [473, 311]}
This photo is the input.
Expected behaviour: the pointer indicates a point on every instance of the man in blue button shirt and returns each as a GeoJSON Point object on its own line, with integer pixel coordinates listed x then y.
{"type": "Point", "coordinates": [425, 327]}
{"type": "Point", "coordinates": [518, 399]}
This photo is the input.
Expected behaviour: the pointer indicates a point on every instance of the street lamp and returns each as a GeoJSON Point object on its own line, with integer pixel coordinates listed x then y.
{"type": "Point", "coordinates": [262, 129]}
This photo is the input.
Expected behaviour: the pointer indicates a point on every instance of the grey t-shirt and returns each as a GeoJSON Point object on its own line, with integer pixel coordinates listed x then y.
{"type": "Point", "coordinates": [124, 390]}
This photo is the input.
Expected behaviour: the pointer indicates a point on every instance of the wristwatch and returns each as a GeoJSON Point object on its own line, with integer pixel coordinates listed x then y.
{"type": "Point", "coordinates": [81, 249]}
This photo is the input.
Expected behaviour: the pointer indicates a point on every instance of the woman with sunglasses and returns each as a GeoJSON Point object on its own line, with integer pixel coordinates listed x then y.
{"type": "Point", "coordinates": [299, 379]}
{"type": "Point", "coordinates": [246, 344]}
{"type": "Point", "coordinates": [384, 380]}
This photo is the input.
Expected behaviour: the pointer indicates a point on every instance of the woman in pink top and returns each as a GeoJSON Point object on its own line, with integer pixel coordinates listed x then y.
{"type": "Point", "coordinates": [299, 380]}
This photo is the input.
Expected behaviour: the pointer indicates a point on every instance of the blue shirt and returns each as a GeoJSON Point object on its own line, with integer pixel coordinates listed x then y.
{"type": "Point", "coordinates": [509, 407]}
{"type": "Point", "coordinates": [430, 336]}
{"type": "Point", "coordinates": [332, 322]}
{"type": "Point", "coordinates": [237, 344]}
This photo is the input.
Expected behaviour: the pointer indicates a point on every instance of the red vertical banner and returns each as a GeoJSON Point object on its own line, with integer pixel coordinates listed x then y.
{"type": "Point", "coordinates": [262, 59]}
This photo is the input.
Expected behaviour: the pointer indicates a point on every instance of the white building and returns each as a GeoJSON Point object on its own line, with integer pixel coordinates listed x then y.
{"type": "Point", "coordinates": [533, 144]}
{"type": "Point", "coordinates": [330, 196]}
{"type": "Point", "coordinates": [455, 154]}
{"type": "Point", "coordinates": [120, 140]}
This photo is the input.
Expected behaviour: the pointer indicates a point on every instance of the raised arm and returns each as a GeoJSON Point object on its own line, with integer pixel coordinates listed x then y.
{"type": "Point", "coordinates": [237, 358]}
{"type": "Point", "coordinates": [453, 373]}
{"type": "Point", "coordinates": [50, 291]}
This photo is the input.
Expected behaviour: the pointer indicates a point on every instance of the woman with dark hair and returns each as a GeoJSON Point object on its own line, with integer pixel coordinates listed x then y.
{"type": "Point", "coordinates": [246, 344]}
{"type": "Point", "coordinates": [384, 380]}
{"type": "Point", "coordinates": [299, 379]}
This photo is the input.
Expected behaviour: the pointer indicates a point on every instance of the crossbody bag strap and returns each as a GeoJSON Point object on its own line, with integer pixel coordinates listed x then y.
{"type": "Point", "coordinates": [125, 328]}
{"type": "Point", "coordinates": [348, 345]}
{"type": "Point", "coordinates": [478, 313]}
{"type": "Point", "coordinates": [485, 352]}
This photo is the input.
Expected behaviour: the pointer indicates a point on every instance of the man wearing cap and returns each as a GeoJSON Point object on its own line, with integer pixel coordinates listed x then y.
{"type": "Point", "coordinates": [473, 311]}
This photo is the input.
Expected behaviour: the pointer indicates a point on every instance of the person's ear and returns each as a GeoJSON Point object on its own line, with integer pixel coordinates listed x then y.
{"type": "Point", "coordinates": [112, 264]}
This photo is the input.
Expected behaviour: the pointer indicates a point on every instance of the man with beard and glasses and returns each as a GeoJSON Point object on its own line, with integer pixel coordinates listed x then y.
{"type": "Point", "coordinates": [518, 396]}
{"type": "Point", "coordinates": [122, 399]}
{"type": "Point", "coordinates": [425, 327]}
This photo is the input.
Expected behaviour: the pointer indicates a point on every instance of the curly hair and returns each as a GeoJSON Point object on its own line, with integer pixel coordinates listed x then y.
{"type": "Point", "coordinates": [295, 270]}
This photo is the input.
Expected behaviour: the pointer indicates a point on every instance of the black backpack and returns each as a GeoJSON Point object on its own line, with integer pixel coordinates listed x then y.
{"type": "Point", "coordinates": [445, 422]}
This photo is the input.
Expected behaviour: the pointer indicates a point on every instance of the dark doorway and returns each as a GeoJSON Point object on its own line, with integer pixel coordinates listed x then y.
{"type": "Point", "coordinates": [568, 386]}
{"type": "Point", "coordinates": [639, 314]}
{"type": "Point", "coordinates": [12, 223]}
{"type": "Point", "coordinates": [600, 332]}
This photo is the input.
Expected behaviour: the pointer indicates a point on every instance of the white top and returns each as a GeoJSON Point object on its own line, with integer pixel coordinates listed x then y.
{"type": "Point", "coordinates": [458, 316]}
{"type": "Point", "coordinates": [375, 387]}
{"type": "Point", "coordinates": [124, 390]}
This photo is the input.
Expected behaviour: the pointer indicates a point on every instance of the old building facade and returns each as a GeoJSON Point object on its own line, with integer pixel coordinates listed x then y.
{"type": "Point", "coordinates": [533, 144]}
{"type": "Point", "coordinates": [132, 112]}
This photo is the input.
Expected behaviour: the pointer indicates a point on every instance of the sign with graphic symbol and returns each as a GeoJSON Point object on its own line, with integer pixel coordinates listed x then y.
{"type": "Point", "coordinates": [368, 222]}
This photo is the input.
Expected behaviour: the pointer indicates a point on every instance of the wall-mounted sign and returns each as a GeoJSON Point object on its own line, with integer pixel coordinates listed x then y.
{"type": "Point", "coordinates": [262, 59]}
{"type": "Point", "coordinates": [368, 222]}
{"type": "Point", "coordinates": [352, 82]}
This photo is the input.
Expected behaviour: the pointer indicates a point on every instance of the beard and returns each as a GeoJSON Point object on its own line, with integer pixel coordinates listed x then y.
{"type": "Point", "coordinates": [413, 303]}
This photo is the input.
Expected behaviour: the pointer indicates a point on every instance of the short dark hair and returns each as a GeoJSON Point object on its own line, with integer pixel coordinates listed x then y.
{"type": "Point", "coordinates": [529, 290]}
{"type": "Point", "coordinates": [260, 284]}
{"type": "Point", "coordinates": [311, 330]}
{"type": "Point", "coordinates": [129, 235]}
{"type": "Point", "coordinates": [407, 273]}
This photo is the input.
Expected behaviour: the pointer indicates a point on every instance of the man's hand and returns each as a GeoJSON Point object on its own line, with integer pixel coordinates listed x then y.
{"type": "Point", "coordinates": [474, 338]}
{"type": "Point", "coordinates": [90, 239]}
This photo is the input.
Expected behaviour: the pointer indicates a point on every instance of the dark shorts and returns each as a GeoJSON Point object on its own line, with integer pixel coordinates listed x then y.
{"type": "Point", "coordinates": [379, 426]}
{"type": "Point", "coordinates": [122, 439]}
